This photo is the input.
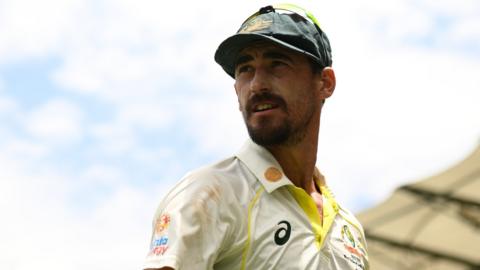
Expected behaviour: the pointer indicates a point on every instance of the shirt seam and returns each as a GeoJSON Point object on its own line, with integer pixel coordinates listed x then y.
{"type": "Point", "coordinates": [246, 248]}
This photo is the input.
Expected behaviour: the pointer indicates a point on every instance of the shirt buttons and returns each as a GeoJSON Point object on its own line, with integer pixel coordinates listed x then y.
{"type": "Point", "coordinates": [273, 174]}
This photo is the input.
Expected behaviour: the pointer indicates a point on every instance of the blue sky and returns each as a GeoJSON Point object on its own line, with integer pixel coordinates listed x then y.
{"type": "Point", "coordinates": [104, 105]}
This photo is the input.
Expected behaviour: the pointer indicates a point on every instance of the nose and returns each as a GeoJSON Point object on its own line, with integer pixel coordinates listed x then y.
{"type": "Point", "coordinates": [259, 80]}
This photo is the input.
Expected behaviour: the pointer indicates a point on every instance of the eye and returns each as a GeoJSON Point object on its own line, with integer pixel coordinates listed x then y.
{"type": "Point", "coordinates": [243, 68]}
{"type": "Point", "coordinates": [277, 63]}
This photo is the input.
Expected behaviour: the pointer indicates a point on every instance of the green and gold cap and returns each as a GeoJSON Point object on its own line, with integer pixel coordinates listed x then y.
{"type": "Point", "coordinates": [287, 25]}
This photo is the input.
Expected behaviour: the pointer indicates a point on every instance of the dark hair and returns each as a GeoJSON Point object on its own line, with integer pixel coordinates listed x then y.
{"type": "Point", "coordinates": [316, 67]}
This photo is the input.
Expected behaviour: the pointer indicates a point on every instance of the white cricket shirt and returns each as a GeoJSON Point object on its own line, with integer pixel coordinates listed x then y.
{"type": "Point", "coordinates": [244, 213]}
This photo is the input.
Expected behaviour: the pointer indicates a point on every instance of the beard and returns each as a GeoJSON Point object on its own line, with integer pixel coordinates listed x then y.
{"type": "Point", "coordinates": [287, 133]}
{"type": "Point", "coordinates": [269, 136]}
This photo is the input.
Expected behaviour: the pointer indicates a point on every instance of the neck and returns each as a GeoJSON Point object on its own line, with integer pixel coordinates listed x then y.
{"type": "Point", "coordinates": [298, 160]}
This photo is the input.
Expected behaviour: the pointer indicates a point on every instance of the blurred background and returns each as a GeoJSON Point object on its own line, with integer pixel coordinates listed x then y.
{"type": "Point", "coordinates": [105, 104]}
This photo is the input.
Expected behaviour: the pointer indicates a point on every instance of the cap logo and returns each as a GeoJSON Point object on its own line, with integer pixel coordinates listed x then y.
{"type": "Point", "coordinates": [255, 24]}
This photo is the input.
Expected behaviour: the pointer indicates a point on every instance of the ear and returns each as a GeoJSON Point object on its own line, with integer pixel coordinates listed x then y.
{"type": "Point", "coordinates": [328, 82]}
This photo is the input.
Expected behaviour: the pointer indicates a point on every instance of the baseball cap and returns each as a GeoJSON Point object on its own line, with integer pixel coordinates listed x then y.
{"type": "Point", "coordinates": [287, 25]}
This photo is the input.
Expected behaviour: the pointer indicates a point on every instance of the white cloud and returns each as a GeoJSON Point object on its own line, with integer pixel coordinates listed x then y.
{"type": "Point", "coordinates": [122, 135]}
{"type": "Point", "coordinates": [57, 121]}
{"type": "Point", "coordinates": [32, 28]}
{"type": "Point", "coordinates": [464, 8]}
{"type": "Point", "coordinates": [100, 174]}
{"type": "Point", "coordinates": [24, 149]}
{"type": "Point", "coordinates": [122, 231]}
{"type": "Point", "coordinates": [7, 105]}
{"type": "Point", "coordinates": [149, 116]}
{"type": "Point", "coordinates": [466, 31]}
{"type": "Point", "coordinates": [44, 231]}
{"type": "Point", "coordinates": [29, 210]}
{"type": "Point", "coordinates": [110, 73]}
{"type": "Point", "coordinates": [217, 124]}
{"type": "Point", "coordinates": [113, 138]}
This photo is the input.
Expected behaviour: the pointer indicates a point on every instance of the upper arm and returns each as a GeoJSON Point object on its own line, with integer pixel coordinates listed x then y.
{"type": "Point", "coordinates": [188, 229]}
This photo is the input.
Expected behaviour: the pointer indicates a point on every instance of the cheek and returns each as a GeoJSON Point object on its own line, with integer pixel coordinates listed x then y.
{"type": "Point", "coordinates": [241, 97]}
{"type": "Point", "coordinates": [304, 101]}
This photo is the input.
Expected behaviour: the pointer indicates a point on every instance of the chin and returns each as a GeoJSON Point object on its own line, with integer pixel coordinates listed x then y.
{"type": "Point", "coordinates": [269, 136]}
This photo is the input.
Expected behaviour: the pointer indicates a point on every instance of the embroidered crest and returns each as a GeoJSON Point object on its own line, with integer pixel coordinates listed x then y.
{"type": "Point", "coordinates": [347, 236]}
{"type": "Point", "coordinates": [255, 24]}
{"type": "Point", "coordinates": [356, 254]}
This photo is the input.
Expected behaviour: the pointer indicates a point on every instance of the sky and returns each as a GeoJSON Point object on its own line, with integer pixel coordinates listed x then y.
{"type": "Point", "coordinates": [106, 104]}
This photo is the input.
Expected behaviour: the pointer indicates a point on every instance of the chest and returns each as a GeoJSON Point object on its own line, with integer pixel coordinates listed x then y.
{"type": "Point", "coordinates": [281, 236]}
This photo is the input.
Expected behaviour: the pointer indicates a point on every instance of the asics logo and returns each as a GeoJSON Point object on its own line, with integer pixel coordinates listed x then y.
{"type": "Point", "coordinates": [283, 233]}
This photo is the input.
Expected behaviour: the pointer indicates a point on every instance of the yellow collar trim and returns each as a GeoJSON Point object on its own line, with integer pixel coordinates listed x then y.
{"type": "Point", "coordinates": [330, 210]}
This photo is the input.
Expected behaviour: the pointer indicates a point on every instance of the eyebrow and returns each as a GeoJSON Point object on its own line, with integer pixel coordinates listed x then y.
{"type": "Point", "coordinates": [270, 54]}
{"type": "Point", "coordinates": [242, 59]}
{"type": "Point", "coordinates": [273, 54]}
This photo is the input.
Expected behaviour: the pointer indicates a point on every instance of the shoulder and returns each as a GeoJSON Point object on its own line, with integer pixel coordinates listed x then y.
{"type": "Point", "coordinates": [227, 180]}
{"type": "Point", "coordinates": [348, 216]}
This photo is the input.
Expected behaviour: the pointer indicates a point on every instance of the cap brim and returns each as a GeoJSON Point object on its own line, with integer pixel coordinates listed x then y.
{"type": "Point", "coordinates": [229, 49]}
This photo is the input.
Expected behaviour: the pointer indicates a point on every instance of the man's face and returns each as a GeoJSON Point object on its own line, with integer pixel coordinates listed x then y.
{"type": "Point", "coordinates": [276, 93]}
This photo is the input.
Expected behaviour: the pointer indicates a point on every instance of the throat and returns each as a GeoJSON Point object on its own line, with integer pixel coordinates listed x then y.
{"type": "Point", "coordinates": [318, 199]}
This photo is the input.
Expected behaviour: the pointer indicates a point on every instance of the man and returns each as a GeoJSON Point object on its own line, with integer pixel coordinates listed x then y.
{"type": "Point", "coordinates": [266, 207]}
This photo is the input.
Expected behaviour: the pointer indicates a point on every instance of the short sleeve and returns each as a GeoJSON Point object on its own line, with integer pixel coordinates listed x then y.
{"type": "Point", "coordinates": [191, 226]}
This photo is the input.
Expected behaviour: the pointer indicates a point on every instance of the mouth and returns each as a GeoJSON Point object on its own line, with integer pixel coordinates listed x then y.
{"type": "Point", "coordinates": [261, 107]}
{"type": "Point", "coordinates": [265, 104]}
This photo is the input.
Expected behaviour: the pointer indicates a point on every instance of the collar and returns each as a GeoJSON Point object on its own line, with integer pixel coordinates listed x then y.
{"type": "Point", "coordinates": [266, 168]}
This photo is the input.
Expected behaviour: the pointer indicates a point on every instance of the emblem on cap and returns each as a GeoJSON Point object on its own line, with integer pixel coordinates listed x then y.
{"type": "Point", "coordinates": [255, 24]}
